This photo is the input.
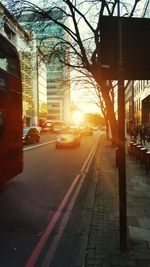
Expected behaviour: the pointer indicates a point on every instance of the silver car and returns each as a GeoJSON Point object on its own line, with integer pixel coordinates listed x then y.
{"type": "Point", "coordinates": [69, 137]}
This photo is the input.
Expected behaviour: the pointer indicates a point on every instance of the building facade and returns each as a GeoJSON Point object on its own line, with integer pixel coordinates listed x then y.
{"type": "Point", "coordinates": [58, 75]}
{"type": "Point", "coordinates": [26, 47]}
{"type": "Point", "coordinates": [142, 102]}
{"type": "Point", "coordinates": [129, 105]}
{"type": "Point", "coordinates": [138, 103]}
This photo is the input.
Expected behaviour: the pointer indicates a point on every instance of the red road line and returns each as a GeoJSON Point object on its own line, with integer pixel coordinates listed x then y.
{"type": "Point", "coordinates": [42, 241]}
{"type": "Point", "coordinates": [51, 251]}
{"type": "Point", "coordinates": [38, 248]}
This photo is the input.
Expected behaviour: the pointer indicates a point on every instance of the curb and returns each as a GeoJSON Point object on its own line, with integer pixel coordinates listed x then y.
{"type": "Point", "coordinates": [80, 249]}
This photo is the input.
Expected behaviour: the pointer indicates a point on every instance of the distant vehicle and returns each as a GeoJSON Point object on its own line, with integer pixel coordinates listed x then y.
{"type": "Point", "coordinates": [69, 137]}
{"type": "Point", "coordinates": [95, 128]}
{"type": "Point", "coordinates": [56, 130]}
{"type": "Point", "coordinates": [102, 128]}
{"type": "Point", "coordinates": [89, 131]}
{"type": "Point", "coordinates": [82, 130]}
{"type": "Point", "coordinates": [86, 131]}
{"type": "Point", "coordinates": [31, 135]}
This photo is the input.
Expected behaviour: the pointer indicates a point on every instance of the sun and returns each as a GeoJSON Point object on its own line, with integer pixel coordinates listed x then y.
{"type": "Point", "coordinates": [77, 117]}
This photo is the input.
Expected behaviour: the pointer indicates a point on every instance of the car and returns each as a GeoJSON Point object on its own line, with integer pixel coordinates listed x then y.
{"type": "Point", "coordinates": [86, 131]}
{"type": "Point", "coordinates": [82, 130]}
{"type": "Point", "coordinates": [102, 127]}
{"type": "Point", "coordinates": [31, 135]}
{"type": "Point", "coordinates": [89, 131]}
{"type": "Point", "coordinates": [56, 130]}
{"type": "Point", "coordinates": [69, 137]}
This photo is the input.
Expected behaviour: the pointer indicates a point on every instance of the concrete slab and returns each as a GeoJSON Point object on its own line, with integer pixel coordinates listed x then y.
{"type": "Point", "coordinates": [139, 234]}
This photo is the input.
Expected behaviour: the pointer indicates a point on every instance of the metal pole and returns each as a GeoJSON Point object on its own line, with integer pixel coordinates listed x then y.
{"type": "Point", "coordinates": [121, 142]}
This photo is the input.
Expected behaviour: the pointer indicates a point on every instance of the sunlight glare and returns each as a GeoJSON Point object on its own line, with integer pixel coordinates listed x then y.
{"type": "Point", "coordinates": [77, 117]}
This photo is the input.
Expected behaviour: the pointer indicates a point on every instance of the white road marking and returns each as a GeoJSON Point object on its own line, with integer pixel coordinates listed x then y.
{"type": "Point", "coordinates": [28, 148]}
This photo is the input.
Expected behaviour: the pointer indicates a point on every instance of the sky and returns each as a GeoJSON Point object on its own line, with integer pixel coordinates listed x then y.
{"type": "Point", "coordinates": [84, 103]}
{"type": "Point", "coordinates": [80, 98]}
{"type": "Point", "coordinates": [83, 100]}
{"type": "Point", "coordinates": [87, 106]}
{"type": "Point", "coordinates": [83, 95]}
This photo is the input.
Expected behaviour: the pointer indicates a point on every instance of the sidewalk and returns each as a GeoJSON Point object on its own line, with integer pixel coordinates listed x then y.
{"type": "Point", "coordinates": [102, 233]}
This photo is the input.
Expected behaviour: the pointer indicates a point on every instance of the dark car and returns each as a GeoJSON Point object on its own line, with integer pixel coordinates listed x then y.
{"type": "Point", "coordinates": [31, 135]}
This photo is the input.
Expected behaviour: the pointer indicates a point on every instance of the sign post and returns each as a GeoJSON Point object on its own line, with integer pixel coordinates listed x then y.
{"type": "Point", "coordinates": [124, 56]}
{"type": "Point", "coordinates": [122, 166]}
{"type": "Point", "coordinates": [121, 142]}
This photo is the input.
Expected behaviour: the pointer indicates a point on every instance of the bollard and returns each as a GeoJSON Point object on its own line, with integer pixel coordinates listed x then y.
{"type": "Point", "coordinates": [134, 150]}
{"type": "Point", "coordinates": [147, 161]}
{"type": "Point", "coordinates": [138, 148]}
{"type": "Point", "coordinates": [131, 149]}
{"type": "Point", "coordinates": [143, 151]}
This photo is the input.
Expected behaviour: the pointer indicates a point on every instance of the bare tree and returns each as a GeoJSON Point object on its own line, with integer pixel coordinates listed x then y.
{"type": "Point", "coordinates": [79, 48]}
{"type": "Point", "coordinates": [94, 94]}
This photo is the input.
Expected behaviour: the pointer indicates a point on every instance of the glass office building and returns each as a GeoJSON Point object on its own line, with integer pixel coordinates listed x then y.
{"type": "Point", "coordinates": [58, 75]}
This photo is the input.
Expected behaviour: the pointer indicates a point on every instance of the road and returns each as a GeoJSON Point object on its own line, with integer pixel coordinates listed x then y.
{"type": "Point", "coordinates": [32, 204]}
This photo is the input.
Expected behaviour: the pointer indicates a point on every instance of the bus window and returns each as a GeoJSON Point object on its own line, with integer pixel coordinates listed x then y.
{"type": "Point", "coordinates": [3, 63]}
{"type": "Point", "coordinates": [3, 83]}
{"type": "Point", "coordinates": [1, 123]}
{"type": "Point", "coordinates": [8, 59]}
{"type": "Point", "coordinates": [12, 66]}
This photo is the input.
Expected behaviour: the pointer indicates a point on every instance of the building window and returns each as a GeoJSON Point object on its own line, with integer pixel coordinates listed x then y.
{"type": "Point", "coordinates": [10, 34]}
{"type": "Point", "coordinates": [53, 117]}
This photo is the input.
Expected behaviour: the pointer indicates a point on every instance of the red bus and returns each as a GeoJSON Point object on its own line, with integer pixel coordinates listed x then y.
{"type": "Point", "coordinates": [11, 152]}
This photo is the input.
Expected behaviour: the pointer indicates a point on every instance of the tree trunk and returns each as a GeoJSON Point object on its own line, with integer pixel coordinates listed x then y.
{"type": "Point", "coordinates": [112, 120]}
{"type": "Point", "coordinates": [109, 105]}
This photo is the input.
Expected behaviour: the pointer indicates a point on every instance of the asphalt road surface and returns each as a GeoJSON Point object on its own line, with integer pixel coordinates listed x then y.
{"type": "Point", "coordinates": [34, 203]}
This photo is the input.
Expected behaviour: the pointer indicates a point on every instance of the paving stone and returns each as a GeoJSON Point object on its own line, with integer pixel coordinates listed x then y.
{"type": "Point", "coordinates": [103, 244]}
